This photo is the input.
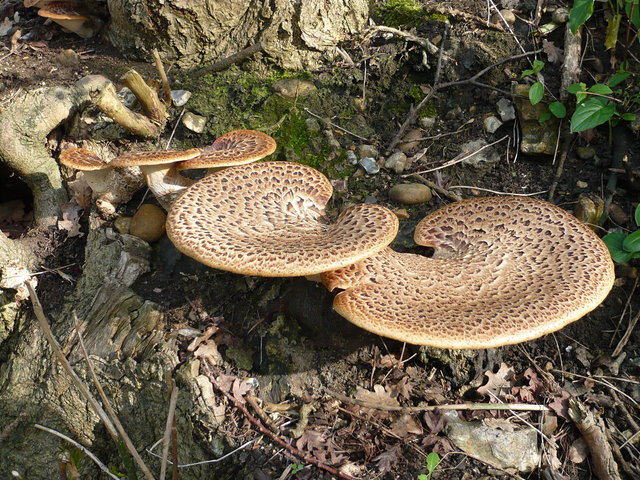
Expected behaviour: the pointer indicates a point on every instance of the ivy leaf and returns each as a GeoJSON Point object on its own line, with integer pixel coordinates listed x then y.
{"type": "Point", "coordinates": [433, 459]}
{"type": "Point", "coordinates": [536, 92]}
{"type": "Point", "coordinates": [576, 87]}
{"type": "Point", "coordinates": [618, 78]}
{"type": "Point", "coordinates": [632, 242]}
{"type": "Point", "coordinates": [629, 117]}
{"type": "Point", "coordinates": [591, 113]}
{"type": "Point", "coordinates": [633, 6]}
{"type": "Point", "coordinates": [580, 13]}
{"type": "Point", "coordinates": [637, 216]}
{"type": "Point", "coordinates": [600, 89]}
{"type": "Point", "coordinates": [558, 109]}
{"type": "Point", "coordinates": [614, 242]}
{"type": "Point", "coordinates": [544, 117]}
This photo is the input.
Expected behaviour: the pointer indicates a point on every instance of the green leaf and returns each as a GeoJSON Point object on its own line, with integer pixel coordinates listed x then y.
{"type": "Point", "coordinates": [535, 68]}
{"type": "Point", "coordinates": [629, 117]}
{"type": "Point", "coordinates": [614, 242]}
{"type": "Point", "coordinates": [433, 459]}
{"type": "Point", "coordinates": [618, 78]}
{"type": "Point", "coordinates": [613, 26]}
{"type": "Point", "coordinates": [558, 109]}
{"type": "Point", "coordinates": [536, 92]}
{"type": "Point", "coordinates": [591, 113]}
{"type": "Point", "coordinates": [576, 87]}
{"type": "Point", "coordinates": [632, 242]}
{"type": "Point", "coordinates": [422, 476]}
{"type": "Point", "coordinates": [637, 216]}
{"type": "Point", "coordinates": [600, 89]}
{"type": "Point", "coordinates": [580, 13]}
{"type": "Point", "coordinates": [635, 18]}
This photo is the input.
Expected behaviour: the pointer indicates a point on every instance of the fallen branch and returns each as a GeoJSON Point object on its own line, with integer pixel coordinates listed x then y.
{"type": "Point", "coordinates": [148, 98]}
{"type": "Point", "coordinates": [592, 430]}
{"type": "Point", "coordinates": [230, 60]}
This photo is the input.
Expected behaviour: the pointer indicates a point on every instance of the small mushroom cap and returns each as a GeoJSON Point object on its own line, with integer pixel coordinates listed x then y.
{"type": "Point", "coordinates": [62, 11]}
{"type": "Point", "coordinates": [237, 147]}
{"type": "Point", "coordinates": [505, 270]}
{"type": "Point", "coordinates": [268, 219]}
{"type": "Point", "coordinates": [154, 157]}
{"type": "Point", "coordinates": [82, 159]}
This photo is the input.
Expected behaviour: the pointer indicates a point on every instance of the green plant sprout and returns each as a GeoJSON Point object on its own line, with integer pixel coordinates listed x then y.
{"type": "Point", "coordinates": [622, 246]}
{"type": "Point", "coordinates": [296, 467]}
{"type": "Point", "coordinates": [536, 92]}
{"type": "Point", "coordinates": [432, 461]}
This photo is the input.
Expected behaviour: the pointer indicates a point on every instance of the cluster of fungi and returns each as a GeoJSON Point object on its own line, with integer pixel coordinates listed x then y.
{"type": "Point", "coordinates": [504, 269]}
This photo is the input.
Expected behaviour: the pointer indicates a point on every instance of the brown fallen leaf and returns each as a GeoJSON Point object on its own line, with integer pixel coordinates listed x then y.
{"type": "Point", "coordinates": [498, 383]}
{"type": "Point", "coordinates": [70, 222]}
{"type": "Point", "coordinates": [405, 425]}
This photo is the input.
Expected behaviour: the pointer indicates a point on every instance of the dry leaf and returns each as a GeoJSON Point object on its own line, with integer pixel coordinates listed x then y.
{"type": "Point", "coordinates": [578, 451]}
{"type": "Point", "coordinates": [498, 383]}
{"type": "Point", "coordinates": [378, 397]}
{"type": "Point", "coordinates": [554, 54]}
{"type": "Point", "coordinates": [406, 425]}
{"type": "Point", "coordinates": [560, 404]}
{"type": "Point", "coordinates": [387, 459]}
{"type": "Point", "coordinates": [80, 191]}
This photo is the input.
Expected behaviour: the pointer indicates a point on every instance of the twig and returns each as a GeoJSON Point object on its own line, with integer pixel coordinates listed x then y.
{"type": "Point", "coordinates": [448, 406]}
{"type": "Point", "coordinates": [230, 60]}
{"type": "Point", "coordinates": [264, 430]}
{"type": "Point", "coordinates": [163, 77]}
{"type": "Point", "coordinates": [108, 407]}
{"type": "Point", "coordinates": [253, 401]}
{"type": "Point", "coordinates": [497, 192]}
{"type": "Point", "coordinates": [87, 452]}
{"type": "Point", "coordinates": [423, 42]}
{"type": "Point", "coordinates": [434, 186]}
{"type": "Point", "coordinates": [204, 462]}
{"type": "Point", "coordinates": [166, 440]}
{"type": "Point", "coordinates": [335, 126]}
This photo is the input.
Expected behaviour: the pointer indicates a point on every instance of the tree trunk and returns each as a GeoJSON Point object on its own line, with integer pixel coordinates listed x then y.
{"type": "Point", "coordinates": [295, 34]}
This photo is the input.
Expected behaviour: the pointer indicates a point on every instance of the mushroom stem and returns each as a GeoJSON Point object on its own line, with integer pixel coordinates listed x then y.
{"type": "Point", "coordinates": [165, 182]}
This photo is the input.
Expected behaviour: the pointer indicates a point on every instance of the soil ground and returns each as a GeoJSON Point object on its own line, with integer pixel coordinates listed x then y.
{"type": "Point", "coordinates": [275, 327]}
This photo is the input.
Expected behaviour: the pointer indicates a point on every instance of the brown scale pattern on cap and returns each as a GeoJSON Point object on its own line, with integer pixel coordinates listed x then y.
{"type": "Point", "coordinates": [82, 159]}
{"type": "Point", "coordinates": [505, 270]}
{"type": "Point", "coordinates": [268, 219]}
{"type": "Point", "coordinates": [154, 157]}
{"type": "Point", "coordinates": [60, 9]}
{"type": "Point", "coordinates": [237, 147]}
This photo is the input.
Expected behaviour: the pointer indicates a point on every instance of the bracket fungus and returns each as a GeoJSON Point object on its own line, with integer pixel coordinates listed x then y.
{"type": "Point", "coordinates": [237, 147]}
{"type": "Point", "coordinates": [505, 270]}
{"type": "Point", "coordinates": [159, 170]}
{"type": "Point", "coordinates": [70, 16]}
{"type": "Point", "coordinates": [268, 219]}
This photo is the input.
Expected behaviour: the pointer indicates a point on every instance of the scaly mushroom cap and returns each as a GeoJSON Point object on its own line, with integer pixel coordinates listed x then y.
{"type": "Point", "coordinates": [82, 159]}
{"type": "Point", "coordinates": [237, 147]}
{"type": "Point", "coordinates": [505, 270]}
{"type": "Point", "coordinates": [268, 219]}
{"type": "Point", "coordinates": [154, 157]}
{"type": "Point", "coordinates": [63, 11]}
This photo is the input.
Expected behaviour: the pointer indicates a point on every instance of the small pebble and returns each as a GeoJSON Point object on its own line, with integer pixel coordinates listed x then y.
{"type": "Point", "coordinates": [148, 223]}
{"type": "Point", "coordinates": [68, 58]}
{"type": "Point", "coordinates": [506, 110]}
{"type": "Point", "coordinates": [505, 14]}
{"type": "Point", "coordinates": [397, 162]}
{"type": "Point", "coordinates": [352, 157]}
{"type": "Point", "coordinates": [402, 213]}
{"type": "Point", "coordinates": [194, 122]}
{"type": "Point", "coordinates": [367, 151]}
{"type": "Point", "coordinates": [581, 184]}
{"type": "Point", "coordinates": [427, 123]}
{"type": "Point", "coordinates": [491, 123]}
{"type": "Point", "coordinates": [453, 113]}
{"type": "Point", "coordinates": [560, 15]}
{"type": "Point", "coordinates": [369, 164]}
{"type": "Point", "coordinates": [180, 97]}
{"type": "Point", "coordinates": [410, 193]}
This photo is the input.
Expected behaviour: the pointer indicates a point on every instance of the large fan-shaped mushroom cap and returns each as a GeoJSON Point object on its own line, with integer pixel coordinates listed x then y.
{"type": "Point", "coordinates": [154, 157]}
{"type": "Point", "coordinates": [233, 148]}
{"type": "Point", "coordinates": [268, 219]}
{"type": "Point", "coordinates": [505, 270]}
